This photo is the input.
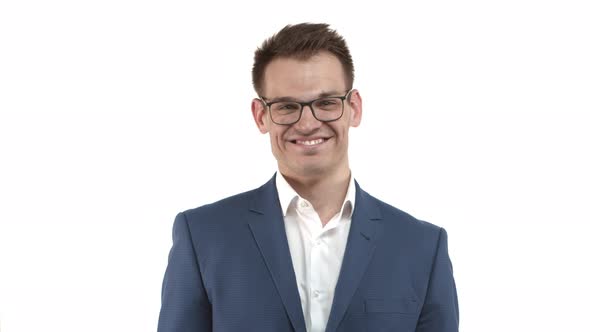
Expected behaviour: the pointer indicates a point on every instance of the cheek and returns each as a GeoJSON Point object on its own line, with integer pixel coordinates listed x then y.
{"type": "Point", "coordinates": [267, 122]}
{"type": "Point", "coordinates": [276, 138]}
{"type": "Point", "coordinates": [341, 131]}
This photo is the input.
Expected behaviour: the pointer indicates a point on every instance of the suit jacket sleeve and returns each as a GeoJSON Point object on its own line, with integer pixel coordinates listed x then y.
{"type": "Point", "coordinates": [185, 305]}
{"type": "Point", "coordinates": [440, 312]}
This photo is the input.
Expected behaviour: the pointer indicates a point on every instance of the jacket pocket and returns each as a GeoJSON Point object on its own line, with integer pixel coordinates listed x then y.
{"type": "Point", "coordinates": [401, 305]}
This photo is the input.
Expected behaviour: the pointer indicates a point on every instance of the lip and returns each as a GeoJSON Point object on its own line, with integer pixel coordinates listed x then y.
{"type": "Point", "coordinates": [308, 139]}
{"type": "Point", "coordinates": [312, 138]}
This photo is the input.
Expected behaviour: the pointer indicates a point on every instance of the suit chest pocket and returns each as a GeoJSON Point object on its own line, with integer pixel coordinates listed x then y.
{"type": "Point", "coordinates": [391, 314]}
{"type": "Point", "coordinates": [400, 305]}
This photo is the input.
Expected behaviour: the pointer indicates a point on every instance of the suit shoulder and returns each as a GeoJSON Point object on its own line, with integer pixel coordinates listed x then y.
{"type": "Point", "coordinates": [393, 215]}
{"type": "Point", "coordinates": [222, 206]}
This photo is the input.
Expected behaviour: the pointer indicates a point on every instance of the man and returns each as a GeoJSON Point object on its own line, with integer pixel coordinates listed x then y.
{"type": "Point", "coordinates": [309, 250]}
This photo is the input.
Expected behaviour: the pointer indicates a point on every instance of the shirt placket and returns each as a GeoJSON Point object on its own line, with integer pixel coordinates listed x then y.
{"type": "Point", "coordinates": [319, 274]}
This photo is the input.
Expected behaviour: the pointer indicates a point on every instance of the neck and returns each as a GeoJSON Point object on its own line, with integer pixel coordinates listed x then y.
{"type": "Point", "coordinates": [326, 192]}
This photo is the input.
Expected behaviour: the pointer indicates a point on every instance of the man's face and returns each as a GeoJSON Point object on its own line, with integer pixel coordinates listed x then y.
{"type": "Point", "coordinates": [308, 147]}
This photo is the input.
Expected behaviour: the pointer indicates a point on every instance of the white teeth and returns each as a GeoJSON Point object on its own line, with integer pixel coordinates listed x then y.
{"type": "Point", "coordinates": [313, 142]}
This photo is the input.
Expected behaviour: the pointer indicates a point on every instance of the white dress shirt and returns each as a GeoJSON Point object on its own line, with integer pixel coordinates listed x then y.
{"type": "Point", "coordinates": [316, 250]}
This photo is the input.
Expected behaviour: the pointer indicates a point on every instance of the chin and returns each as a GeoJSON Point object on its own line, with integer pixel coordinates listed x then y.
{"type": "Point", "coordinates": [311, 169]}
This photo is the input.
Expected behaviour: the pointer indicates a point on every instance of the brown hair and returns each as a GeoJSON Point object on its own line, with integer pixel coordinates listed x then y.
{"type": "Point", "coordinates": [301, 41]}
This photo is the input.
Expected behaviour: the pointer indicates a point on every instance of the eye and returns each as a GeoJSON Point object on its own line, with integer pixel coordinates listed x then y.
{"type": "Point", "coordinates": [326, 102]}
{"type": "Point", "coordinates": [287, 106]}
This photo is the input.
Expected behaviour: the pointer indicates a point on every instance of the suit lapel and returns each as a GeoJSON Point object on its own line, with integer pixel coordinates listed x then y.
{"type": "Point", "coordinates": [268, 228]}
{"type": "Point", "coordinates": [360, 246]}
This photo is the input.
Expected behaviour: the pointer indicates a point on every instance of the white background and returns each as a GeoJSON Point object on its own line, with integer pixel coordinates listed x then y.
{"type": "Point", "coordinates": [116, 115]}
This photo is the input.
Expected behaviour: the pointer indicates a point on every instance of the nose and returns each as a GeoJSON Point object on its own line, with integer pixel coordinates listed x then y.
{"type": "Point", "coordinates": [307, 122]}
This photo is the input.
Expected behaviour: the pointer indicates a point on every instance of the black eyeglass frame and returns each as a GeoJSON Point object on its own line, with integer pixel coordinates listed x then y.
{"type": "Point", "coordinates": [309, 103]}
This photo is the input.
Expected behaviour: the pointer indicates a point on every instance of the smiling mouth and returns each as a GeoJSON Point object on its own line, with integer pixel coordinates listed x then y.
{"type": "Point", "coordinates": [310, 142]}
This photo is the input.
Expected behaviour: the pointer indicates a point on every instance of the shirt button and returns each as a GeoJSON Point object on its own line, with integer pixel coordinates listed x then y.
{"type": "Point", "coordinates": [316, 293]}
{"type": "Point", "coordinates": [304, 204]}
{"type": "Point", "coordinates": [318, 242]}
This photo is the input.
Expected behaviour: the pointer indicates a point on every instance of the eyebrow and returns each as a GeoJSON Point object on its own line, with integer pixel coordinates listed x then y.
{"type": "Point", "coordinates": [289, 98]}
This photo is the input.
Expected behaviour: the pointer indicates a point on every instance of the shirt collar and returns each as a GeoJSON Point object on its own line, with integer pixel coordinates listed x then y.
{"type": "Point", "coordinates": [287, 194]}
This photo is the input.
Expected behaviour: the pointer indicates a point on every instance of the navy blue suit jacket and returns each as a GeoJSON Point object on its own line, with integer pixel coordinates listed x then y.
{"type": "Point", "coordinates": [230, 269]}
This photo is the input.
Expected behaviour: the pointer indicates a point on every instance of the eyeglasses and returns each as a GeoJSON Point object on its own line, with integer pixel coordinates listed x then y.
{"type": "Point", "coordinates": [325, 109]}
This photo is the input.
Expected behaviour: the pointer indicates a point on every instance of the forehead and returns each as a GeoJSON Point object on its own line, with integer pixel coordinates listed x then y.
{"type": "Point", "coordinates": [304, 79]}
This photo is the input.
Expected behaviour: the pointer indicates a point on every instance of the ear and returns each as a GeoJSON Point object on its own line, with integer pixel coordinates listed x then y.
{"type": "Point", "coordinates": [259, 114]}
{"type": "Point", "coordinates": [356, 108]}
